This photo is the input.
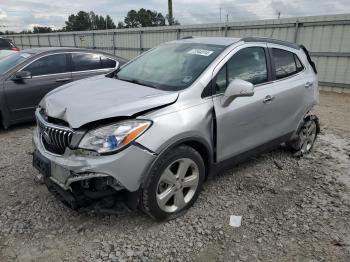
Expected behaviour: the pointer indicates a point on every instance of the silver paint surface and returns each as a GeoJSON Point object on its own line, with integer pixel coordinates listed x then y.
{"type": "Point", "coordinates": [246, 123]}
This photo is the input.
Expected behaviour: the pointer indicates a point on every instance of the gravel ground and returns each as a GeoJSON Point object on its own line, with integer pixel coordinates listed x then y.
{"type": "Point", "coordinates": [293, 210]}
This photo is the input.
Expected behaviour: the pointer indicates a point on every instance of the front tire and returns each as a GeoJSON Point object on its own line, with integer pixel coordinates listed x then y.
{"type": "Point", "coordinates": [174, 184]}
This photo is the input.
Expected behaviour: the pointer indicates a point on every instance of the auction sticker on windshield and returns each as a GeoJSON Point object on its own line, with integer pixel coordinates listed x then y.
{"type": "Point", "coordinates": [202, 52]}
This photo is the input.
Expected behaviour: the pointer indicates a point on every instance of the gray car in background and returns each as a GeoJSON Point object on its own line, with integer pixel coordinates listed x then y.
{"type": "Point", "coordinates": [27, 76]}
{"type": "Point", "coordinates": [7, 44]}
{"type": "Point", "coordinates": [153, 131]}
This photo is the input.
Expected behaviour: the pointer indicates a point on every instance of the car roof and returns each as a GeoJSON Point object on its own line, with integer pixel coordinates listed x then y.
{"type": "Point", "coordinates": [224, 41]}
{"type": "Point", "coordinates": [39, 50]}
{"type": "Point", "coordinates": [48, 50]}
{"type": "Point", "coordinates": [227, 41]}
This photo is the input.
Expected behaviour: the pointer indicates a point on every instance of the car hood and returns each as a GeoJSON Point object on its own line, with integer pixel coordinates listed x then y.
{"type": "Point", "coordinates": [100, 97]}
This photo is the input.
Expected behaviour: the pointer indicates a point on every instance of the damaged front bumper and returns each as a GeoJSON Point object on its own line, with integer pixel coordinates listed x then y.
{"type": "Point", "coordinates": [77, 177]}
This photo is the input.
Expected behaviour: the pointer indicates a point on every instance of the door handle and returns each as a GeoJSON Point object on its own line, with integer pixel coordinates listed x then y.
{"type": "Point", "coordinates": [63, 79]}
{"type": "Point", "coordinates": [308, 84]}
{"type": "Point", "coordinates": [268, 99]}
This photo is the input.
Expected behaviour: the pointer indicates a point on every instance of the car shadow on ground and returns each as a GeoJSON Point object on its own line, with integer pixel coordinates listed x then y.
{"type": "Point", "coordinates": [241, 171]}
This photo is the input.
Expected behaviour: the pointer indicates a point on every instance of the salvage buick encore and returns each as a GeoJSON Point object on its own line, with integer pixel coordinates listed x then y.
{"type": "Point", "coordinates": [151, 132]}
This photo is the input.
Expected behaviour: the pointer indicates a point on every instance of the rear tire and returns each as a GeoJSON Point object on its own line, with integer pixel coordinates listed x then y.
{"type": "Point", "coordinates": [174, 184]}
{"type": "Point", "coordinates": [304, 142]}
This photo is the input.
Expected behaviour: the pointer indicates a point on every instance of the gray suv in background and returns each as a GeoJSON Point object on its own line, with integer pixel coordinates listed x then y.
{"type": "Point", "coordinates": [154, 130]}
{"type": "Point", "coordinates": [27, 76]}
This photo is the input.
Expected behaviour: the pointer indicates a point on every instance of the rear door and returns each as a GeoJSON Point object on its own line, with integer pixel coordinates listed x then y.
{"type": "Point", "coordinates": [289, 90]}
{"type": "Point", "coordinates": [91, 64]}
{"type": "Point", "coordinates": [241, 126]}
{"type": "Point", "coordinates": [48, 72]}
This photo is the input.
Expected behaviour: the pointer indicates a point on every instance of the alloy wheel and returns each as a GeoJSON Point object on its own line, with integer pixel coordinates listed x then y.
{"type": "Point", "coordinates": [308, 136]}
{"type": "Point", "coordinates": [177, 185]}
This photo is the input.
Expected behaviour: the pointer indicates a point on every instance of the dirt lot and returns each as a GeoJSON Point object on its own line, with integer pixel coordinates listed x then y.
{"type": "Point", "coordinates": [293, 210]}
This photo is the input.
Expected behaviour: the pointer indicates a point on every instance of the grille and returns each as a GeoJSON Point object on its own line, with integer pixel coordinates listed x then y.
{"type": "Point", "coordinates": [54, 138]}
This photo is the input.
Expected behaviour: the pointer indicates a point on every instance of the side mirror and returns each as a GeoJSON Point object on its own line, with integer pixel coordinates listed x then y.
{"type": "Point", "coordinates": [21, 75]}
{"type": "Point", "coordinates": [237, 88]}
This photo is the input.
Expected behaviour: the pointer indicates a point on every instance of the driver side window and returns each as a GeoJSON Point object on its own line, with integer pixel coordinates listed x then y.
{"type": "Point", "coordinates": [248, 64]}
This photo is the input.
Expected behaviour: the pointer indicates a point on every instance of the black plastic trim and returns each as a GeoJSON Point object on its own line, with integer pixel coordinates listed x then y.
{"type": "Point", "coordinates": [309, 58]}
{"type": "Point", "coordinates": [208, 90]}
{"type": "Point", "coordinates": [273, 66]}
{"type": "Point", "coordinates": [209, 162]}
{"type": "Point", "coordinates": [186, 37]}
{"type": "Point", "coordinates": [271, 41]}
{"type": "Point", "coordinates": [268, 65]}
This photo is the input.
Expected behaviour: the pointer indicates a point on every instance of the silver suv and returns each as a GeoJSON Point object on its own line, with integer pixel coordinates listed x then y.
{"type": "Point", "coordinates": [154, 130]}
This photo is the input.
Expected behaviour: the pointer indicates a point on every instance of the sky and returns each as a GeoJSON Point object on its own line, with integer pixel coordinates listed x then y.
{"type": "Point", "coordinates": [17, 15]}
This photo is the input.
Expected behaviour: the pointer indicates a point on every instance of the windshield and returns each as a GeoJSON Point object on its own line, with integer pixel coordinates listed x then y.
{"type": "Point", "coordinates": [11, 61]}
{"type": "Point", "coordinates": [172, 66]}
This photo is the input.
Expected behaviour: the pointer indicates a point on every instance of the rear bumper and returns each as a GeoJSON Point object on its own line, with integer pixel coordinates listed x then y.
{"type": "Point", "coordinates": [126, 168]}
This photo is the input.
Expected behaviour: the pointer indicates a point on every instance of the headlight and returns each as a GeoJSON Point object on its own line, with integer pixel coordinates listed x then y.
{"type": "Point", "coordinates": [113, 137]}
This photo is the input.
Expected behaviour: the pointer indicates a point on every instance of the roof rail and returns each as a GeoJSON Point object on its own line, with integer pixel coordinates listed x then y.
{"type": "Point", "coordinates": [272, 41]}
{"type": "Point", "coordinates": [186, 37]}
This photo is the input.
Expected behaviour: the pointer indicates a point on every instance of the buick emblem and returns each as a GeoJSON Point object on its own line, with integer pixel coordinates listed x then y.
{"type": "Point", "coordinates": [46, 137]}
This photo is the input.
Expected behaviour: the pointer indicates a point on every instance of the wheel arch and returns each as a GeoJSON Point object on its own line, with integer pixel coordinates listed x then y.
{"type": "Point", "coordinates": [308, 117]}
{"type": "Point", "coordinates": [197, 143]}
{"type": "Point", "coordinates": [2, 120]}
{"type": "Point", "coordinates": [204, 151]}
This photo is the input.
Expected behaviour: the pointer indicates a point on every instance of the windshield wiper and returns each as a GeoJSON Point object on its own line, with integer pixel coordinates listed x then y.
{"type": "Point", "coordinates": [135, 81]}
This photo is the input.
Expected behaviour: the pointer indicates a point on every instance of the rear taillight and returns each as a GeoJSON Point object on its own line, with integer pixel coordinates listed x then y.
{"type": "Point", "coordinates": [15, 49]}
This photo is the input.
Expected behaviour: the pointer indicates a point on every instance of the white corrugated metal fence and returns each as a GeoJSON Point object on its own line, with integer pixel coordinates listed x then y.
{"type": "Point", "coordinates": [326, 37]}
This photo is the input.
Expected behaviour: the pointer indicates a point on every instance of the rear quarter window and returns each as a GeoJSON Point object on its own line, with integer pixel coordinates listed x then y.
{"type": "Point", "coordinates": [286, 63]}
{"type": "Point", "coordinates": [4, 43]}
{"type": "Point", "coordinates": [107, 62]}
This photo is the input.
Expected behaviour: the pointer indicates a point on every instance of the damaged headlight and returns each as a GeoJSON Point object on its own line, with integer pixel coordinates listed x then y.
{"type": "Point", "coordinates": [108, 139]}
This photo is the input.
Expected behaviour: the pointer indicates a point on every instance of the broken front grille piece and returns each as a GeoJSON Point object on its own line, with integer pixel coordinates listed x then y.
{"type": "Point", "coordinates": [54, 138]}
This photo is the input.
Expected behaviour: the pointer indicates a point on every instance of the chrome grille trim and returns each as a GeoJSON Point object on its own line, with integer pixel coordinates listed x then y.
{"type": "Point", "coordinates": [54, 138]}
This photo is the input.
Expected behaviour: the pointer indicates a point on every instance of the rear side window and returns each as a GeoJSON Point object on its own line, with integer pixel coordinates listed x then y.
{"type": "Point", "coordinates": [248, 64]}
{"type": "Point", "coordinates": [86, 61]}
{"type": "Point", "coordinates": [52, 64]}
{"type": "Point", "coordinates": [286, 63]}
{"type": "Point", "coordinates": [4, 43]}
{"type": "Point", "coordinates": [107, 63]}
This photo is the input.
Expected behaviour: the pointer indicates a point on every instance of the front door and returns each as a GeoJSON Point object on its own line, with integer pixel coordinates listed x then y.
{"type": "Point", "coordinates": [48, 72]}
{"type": "Point", "coordinates": [241, 125]}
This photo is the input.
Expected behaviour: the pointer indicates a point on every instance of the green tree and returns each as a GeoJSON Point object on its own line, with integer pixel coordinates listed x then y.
{"type": "Point", "coordinates": [78, 22]}
{"type": "Point", "coordinates": [110, 23]}
{"type": "Point", "coordinates": [88, 21]}
{"type": "Point", "coordinates": [7, 32]}
{"type": "Point", "coordinates": [120, 25]}
{"type": "Point", "coordinates": [132, 19]}
{"type": "Point", "coordinates": [41, 29]}
{"type": "Point", "coordinates": [26, 32]}
{"type": "Point", "coordinates": [143, 18]}
{"type": "Point", "coordinates": [174, 21]}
